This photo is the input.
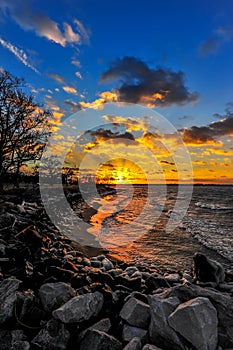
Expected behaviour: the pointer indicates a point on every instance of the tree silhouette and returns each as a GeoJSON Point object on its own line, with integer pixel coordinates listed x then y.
{"type": "Point", "coordinates": [24, 126]}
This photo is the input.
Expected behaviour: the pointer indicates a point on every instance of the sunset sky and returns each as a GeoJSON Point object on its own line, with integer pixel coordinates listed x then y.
{"type": "Point", "coordinates": [175, 57]}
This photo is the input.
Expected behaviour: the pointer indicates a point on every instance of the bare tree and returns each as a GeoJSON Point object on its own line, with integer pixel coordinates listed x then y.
{"type": "Point", "coordinates": [24, 126]}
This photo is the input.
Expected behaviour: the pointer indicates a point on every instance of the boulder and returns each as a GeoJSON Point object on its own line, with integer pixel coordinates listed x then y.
{"type": "Point", "coordinates": [13, 340]}
{"type": "Point", "coordinates": [136, 313]}
{"type": "Point", "coordinates": [153, 283]}
{"type": "Point", "coordinates": [54, 295]}
{"type": "Point", "coordinates": [134, 344]}
{"type": "Point", "coordinates": [98, 340]}
{"type": "Point", "coordinates": [103, 326]}
{"type": "Point", "coordinates": [161, 334]}
{"type": "Point", "coordinates": [80, 308]}
{"type": "Point", "coordinates": [53, 336]}
{"type": "Point", "coordinates": [150, 347]}
{"type": "Point", "coordinates": [130, 332]}
{"type": "Point", "coordinates": [221, 301]}
{"type": "Point", "coordinates": [196, 320]}
{"type": "Point", "coordinates": [8, 288]}
{"type": "Point", "coordinates": [208, 270]}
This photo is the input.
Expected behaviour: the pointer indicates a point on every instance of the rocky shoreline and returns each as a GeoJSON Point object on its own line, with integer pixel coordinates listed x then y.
{"type": "Point", "coordinates": [55, 294]}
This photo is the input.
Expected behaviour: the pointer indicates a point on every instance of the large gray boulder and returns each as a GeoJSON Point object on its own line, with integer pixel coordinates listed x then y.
{"type": "Point", "coordinates": [161, 334]}
{"type": "Point", "coordinates": [221, 301]}
{"type": "Point", "coordinates": [208, 270]}
{"type": "Point", "coordinates": [136, 313]}
{"type": "Point", "coordinates": [196, 320]}
{"type": "Point", "coordinates": [53, 336]}
{"type": "Point", "coordinates": [98, 340]}
{"type": "Point", "coordinates": [54, 295]}
{"type": "Point", "coordinates": [8, 288]}
{"type": "Point", "coordinates": [134, 344]}
{"type": "Point", "coordinates": [80, 308]}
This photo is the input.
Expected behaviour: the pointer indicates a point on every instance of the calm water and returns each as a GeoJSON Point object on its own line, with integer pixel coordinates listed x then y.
{"type": "Point", "coordinates": [133, 221]}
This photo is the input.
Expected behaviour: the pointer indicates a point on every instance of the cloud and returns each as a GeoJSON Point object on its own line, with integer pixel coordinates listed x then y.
{"type": "Point", "coordinates": [74, 106]}
{"type": "Point", "coordinates": [57, 77]}
{"type": "Point", "coordinates": [105, 97]}
{"type": "Point", "coordinates": [76, 62]}
{"type": "Point", "coordinates": [209, 134]}
{"type": "Point", "coordinates": [42, 25]}
{"type": "Point", "coordinates": [101, 135]}
{"type": "Point", "coordinates": [217, 39]}
{"type": "Point", "coordinates": [138, 83]}
{"type": "Point", "coordinates": [78, 75]}
{"type": "Point", "coordinates": [166, 162]}
{"type": "Point", "coordinates": [19, 53]}
{"type": "Point", "coordinates": [70, 90]}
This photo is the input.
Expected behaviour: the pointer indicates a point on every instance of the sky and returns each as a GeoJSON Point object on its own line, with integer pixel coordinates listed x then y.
{"type": "Point", "coordinates": [174, 57]}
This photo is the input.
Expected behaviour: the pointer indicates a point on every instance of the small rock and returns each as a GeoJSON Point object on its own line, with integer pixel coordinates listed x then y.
{"type": "Point", "coordinates": [136, 313]}
{"type": "Point", "coordinates": [131, 270]}
{"type": "Point", "coordinates": [80, 308]}
{"type": "Point", "coordinates": [53, 336]}
{"type": "Point", "coordinates": [208, 270]}
{"type": "Point", "coordinates": [96, 263]}
{"type": "Point", "coordinates": [115, 272]}
{"type": "Point", "coordinates": [153, 283]}
{"type": "Point", "coordinates": [8, 288]}
{"type": "Point", "coordinates": [172, 278]}
{"type": "Point", "coordinates": [97, 340]}
{"type": "Point", "coordinates": [107, 264]}
{"type": "Point", "coordinates": [130, 332]}
{"type": "Point", "coordinates": [196, 317]}
{"type": "Point", "coordinates": [54, 295]}
{"type": "Point", "coordinates": [131, 283]}
{"type": "Point", "coordinates": [134, 344]}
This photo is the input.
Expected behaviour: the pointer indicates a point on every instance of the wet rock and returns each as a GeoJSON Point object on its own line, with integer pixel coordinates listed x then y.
{"type": "Point", "coordinates": [53, 336]}
{"type": "Point", "coordinates": [196, 320]}
{"type": "Point", "coordinates": [130, 332]}
{"type": "Point", "coordinates": [208, 270]}
{"type": "Point", "coordinates": [98, 340]}
{"type": "Point", "coordinates": [134, 344]}
{"type": "Point", "coordinates": [8, 288]}
{"type": "Point", "coordinates": [161, 334]}
{"type": "Point", "coordinates": [136, 313]}
{"type": "Point", "coordinates": [54, 295]}
{"type": "Point", "coordinates": [80, 308]}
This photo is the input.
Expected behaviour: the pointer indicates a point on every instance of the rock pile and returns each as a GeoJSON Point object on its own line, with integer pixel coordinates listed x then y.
{"type": "Point", "coordinates": [53, 297]}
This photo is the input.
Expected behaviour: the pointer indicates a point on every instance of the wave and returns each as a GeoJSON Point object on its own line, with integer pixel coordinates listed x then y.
{"type": "Point", "coordinates": [212, 206]}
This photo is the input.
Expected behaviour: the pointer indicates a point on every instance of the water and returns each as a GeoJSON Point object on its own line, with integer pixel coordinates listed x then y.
{"type": "Point", "coordinates": [133, 224]}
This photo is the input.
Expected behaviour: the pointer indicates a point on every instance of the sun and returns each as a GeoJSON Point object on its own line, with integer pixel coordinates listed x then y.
{"type": "Point", "coordinates": [120, 171]}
